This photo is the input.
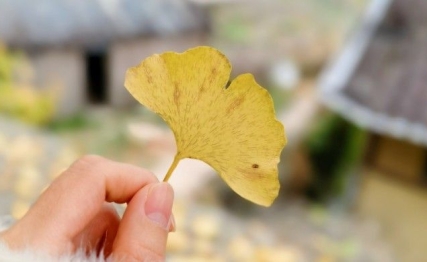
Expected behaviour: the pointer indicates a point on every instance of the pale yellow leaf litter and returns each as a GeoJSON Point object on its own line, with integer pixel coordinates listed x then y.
{"type": "Point", "coordinates": [233, 129]}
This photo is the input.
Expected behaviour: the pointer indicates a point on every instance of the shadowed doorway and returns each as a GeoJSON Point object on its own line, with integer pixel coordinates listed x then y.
{"type": "Point", "coordinates": [96, 77]}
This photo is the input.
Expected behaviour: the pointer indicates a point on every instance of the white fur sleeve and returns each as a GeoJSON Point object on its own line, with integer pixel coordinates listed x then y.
{"type": "Point", "coordinates": [7, 255]}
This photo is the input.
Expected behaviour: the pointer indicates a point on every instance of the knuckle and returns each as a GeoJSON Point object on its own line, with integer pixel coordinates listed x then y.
{"type": "Point", "coordinates": [137, 256]}
{"type": "Point", "coordinates": [86, 165]}
{"type": "Point", "coordinates": [88, 161]}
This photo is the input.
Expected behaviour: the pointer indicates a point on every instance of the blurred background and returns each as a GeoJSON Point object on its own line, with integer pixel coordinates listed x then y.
{"type": "Point", "coordinates": [349, 81]}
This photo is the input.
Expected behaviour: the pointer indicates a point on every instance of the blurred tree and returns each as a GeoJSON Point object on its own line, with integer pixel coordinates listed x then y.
{"type": "Point", "coordinates": [334, 148]}
{"type": "Point", "coordinates": [19, 98]}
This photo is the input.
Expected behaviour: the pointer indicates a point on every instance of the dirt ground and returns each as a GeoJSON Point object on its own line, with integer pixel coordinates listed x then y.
{"type": "Point", "coordinates": [401, 211]}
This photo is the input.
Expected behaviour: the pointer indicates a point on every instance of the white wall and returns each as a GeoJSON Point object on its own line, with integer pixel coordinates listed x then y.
{"type": "Point", "coordinates": [64, 70]}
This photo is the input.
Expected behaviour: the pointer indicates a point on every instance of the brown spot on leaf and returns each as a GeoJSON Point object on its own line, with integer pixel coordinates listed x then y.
{"type": "Point", "coordinates": [176, 93]}
{"type": "Point", "coordinates": [235, 103]}
{"type": "Point", "coordinates": [255, 166]}
{"type": "Point", "coordinates": [149, 79]}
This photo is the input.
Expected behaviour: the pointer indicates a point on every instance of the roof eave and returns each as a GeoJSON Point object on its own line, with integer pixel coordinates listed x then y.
{"type": "Point", "coordinates": [339, 72]}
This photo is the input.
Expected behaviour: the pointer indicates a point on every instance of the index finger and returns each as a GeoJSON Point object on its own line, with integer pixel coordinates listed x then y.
{"type": "Point", "coordinates": [76, 196]}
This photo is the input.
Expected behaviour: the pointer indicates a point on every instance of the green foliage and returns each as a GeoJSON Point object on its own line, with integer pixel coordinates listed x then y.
{"type": "Point", "coordinates": [281, 98]}
{"type": "Point", "coordinates": [18, 97]}
{"type": "Point", "coordinates": [76, 122]}
{"type": "Point", "coordinates": [236, 31]}
{"type": "Point", "coordinates": [334, 147]}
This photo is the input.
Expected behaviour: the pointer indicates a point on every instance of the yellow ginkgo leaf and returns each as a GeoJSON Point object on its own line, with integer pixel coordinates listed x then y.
{"type": "Point", "coordinates": [233, 129]}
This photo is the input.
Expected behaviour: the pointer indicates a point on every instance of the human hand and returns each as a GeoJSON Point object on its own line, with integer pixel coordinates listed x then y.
{"type": "Point", "coordinates": [74, 212]}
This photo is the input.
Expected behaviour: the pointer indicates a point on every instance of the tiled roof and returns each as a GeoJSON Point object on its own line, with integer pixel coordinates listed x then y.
{"type": "Point", "coordinates": [92, 22]}
{"type": "Point", "coordinates": [385, 86]}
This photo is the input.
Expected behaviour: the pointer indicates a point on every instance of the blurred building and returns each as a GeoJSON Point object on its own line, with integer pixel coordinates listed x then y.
{"type": "Point", "coordinates": [379, 81]}
{"type": "Point", "coordinates": [86, 46]}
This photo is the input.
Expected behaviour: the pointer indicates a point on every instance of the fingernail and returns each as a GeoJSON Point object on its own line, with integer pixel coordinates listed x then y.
{"type": "Point", "coordinates": [158, 207]}
{"type": "Point", "coordinates": [172, 224]}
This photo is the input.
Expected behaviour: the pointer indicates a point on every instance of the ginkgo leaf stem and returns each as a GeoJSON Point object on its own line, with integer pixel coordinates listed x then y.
{"type": "Point", "coordinates": [172, 168]}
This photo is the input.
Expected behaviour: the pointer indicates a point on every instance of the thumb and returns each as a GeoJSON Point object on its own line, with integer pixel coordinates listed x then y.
{"type": "Point", "coordinates": [144, 228]}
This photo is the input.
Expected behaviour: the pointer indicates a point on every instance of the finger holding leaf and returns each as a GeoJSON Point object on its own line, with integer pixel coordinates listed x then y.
{"type": "Point", "coordinates": [233, 129]}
